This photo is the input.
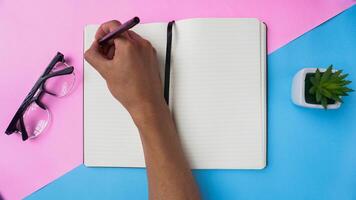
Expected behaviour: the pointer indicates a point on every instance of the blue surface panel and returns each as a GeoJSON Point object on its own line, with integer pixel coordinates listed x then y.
{"type": "Point", "coordinates": [311, 153]}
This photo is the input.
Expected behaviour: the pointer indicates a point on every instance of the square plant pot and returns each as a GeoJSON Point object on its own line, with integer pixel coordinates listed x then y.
{"type": "Point", "coordinates": [299, 90]}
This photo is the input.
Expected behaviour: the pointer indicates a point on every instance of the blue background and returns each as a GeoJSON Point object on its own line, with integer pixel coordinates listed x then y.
{"type": "Point", "coordinates": [311, 153]}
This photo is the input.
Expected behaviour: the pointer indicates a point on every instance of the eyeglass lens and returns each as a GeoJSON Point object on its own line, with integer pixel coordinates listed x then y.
{"type": "Point", "coordinates": [36, 118]}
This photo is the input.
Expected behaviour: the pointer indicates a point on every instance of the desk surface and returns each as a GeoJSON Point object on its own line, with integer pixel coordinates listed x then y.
{"type": "Point", "coordinates": [311, 153]}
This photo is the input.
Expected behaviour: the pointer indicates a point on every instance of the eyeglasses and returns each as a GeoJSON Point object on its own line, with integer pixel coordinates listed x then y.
{"type": "Point", "coordinates": [32, 117]}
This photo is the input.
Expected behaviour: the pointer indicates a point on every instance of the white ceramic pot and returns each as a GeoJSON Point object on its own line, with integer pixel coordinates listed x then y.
{"type": "Point", "coordinates": [298, 90]}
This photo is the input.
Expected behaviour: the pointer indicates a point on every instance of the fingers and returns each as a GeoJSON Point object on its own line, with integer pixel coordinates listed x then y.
{"type": "Point", "coordinates": [106, 28]}
{"type": "Point", "coordinates": [134, 35]}
{"type": "Point", "coordinates": [95, 58]}
{"type": "Point", "coordinates": [138, 39]}
{"type": "Point", "coordinates": [111, 52]}
{"type": "Point", "coordinates": [121, 44]}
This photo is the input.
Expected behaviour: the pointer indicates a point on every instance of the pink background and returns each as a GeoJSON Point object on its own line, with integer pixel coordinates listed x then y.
{"type": "Point", "coordinates": [33, 31]}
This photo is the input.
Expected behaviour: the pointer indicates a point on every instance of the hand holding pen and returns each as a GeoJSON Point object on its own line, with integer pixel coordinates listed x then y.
{"type": "Point", "coordinates": [130, 68]}
{"type": "Point", "coordinates": [110, 30]}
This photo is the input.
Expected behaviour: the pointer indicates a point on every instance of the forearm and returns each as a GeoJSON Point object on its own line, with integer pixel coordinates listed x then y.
{"type": "Point", "coordinates": [130, 69]}
{"type": "Point", "coordinates": [168, 172]}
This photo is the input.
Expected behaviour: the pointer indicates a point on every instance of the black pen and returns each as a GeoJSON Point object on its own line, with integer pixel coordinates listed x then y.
{"type": "Point", "coordinates": [121, 29]}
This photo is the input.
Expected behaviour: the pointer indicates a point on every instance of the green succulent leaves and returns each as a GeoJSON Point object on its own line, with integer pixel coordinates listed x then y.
{"type": "Point", "coordinates": [329, 85]}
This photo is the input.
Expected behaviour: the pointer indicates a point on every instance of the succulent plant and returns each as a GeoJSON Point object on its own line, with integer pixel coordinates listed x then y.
{"type": "Point", "coordinates": [329, 85]}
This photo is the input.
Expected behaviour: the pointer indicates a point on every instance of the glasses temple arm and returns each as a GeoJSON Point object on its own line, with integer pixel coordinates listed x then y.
{"type": "Point", "coordinates": [58, 58]}
{"type": "Point", "coordinates": [62, 72]}
{"type": "Point", "coordinates": [18, 115]}
{"type": "Point", "coordinates": [23, 131]}
{"type": "Point", "coordinates": [12, 126]}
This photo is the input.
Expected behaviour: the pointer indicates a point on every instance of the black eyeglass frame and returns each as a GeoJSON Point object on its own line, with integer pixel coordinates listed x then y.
{"type": "Point", "coordinates": [39, 89]}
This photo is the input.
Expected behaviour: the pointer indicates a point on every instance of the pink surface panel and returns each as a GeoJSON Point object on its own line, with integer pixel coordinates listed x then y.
{"type": "Point", "coordinates": [33, 31]}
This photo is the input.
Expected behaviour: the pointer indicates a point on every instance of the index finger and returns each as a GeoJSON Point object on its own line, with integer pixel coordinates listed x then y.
{"type": "Point", "coordinates": [106, 28]}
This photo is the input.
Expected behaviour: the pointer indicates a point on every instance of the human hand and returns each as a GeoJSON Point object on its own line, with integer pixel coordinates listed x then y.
{"type": "Point", "coordinates": [130, 68]}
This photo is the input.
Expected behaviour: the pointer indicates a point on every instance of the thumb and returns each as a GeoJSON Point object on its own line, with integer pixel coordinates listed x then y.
{"type": "Point", "coordinates": [95, 58]}
{"type": "Point", "coordinates": [121, 44]}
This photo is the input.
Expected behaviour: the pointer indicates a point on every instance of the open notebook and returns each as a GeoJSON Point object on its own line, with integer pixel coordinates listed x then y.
{"type": "Point", "coordinates": [217, 97]}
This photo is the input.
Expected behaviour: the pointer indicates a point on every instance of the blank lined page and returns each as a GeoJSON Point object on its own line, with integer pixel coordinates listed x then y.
{"type": "Point", "coordinates": [110, 136]}
{"type": "Point", "coordinates": [216, 92]}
